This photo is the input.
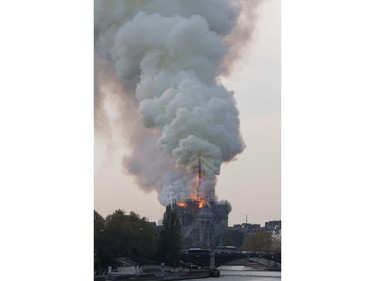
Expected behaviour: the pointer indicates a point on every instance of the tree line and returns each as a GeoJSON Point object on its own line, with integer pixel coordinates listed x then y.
{"type": "Point", "coordinates": [133, 237]}
{"type": "Point", "coordinates": [129, 235]}
{"type": "Point", "coordinates": [259, 241]}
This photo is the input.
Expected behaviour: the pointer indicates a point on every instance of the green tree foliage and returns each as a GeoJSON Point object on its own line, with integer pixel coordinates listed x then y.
{"type": "Point", "coordinates": [230, 238]}
{"type": "Point", "coordinates": [261, 241]}
{"type": "Point", "coordinates": [170, 237]}
{"type": "Point", "coordinates": [102, 252]}
{"type": "Point", "coordinates": [121, 235]}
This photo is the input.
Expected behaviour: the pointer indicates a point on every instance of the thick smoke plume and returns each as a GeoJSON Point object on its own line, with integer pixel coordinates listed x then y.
{"type": "Point", "coordinates": [160, 59]}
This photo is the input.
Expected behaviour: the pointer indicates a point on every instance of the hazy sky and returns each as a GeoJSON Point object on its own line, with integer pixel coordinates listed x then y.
{"type": "Point", "coordinates": [252, 183]}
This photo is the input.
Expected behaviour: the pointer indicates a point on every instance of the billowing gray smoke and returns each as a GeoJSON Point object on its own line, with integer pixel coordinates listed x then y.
{"type": "Point", "coordinates": [164, 57]}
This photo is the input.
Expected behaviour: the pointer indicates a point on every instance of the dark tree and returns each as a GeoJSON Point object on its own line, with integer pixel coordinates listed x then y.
{"type": "Point", "coordinates": [170, 237]}
{"type": "Point", "coordinates": [118, 232]}
{"type": "Point", "coordinates": [131, 236]}
{"type": "Point", "coordinates": [121, 235]}
{"type": "Point", "coordinates": [102, 252]}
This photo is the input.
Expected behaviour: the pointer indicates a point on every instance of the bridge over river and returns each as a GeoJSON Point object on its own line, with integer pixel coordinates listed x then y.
{"type": "Point", "coordinates": [216, 258]}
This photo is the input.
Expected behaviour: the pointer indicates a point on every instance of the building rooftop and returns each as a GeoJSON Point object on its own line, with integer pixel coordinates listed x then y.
{"type": "Point", "coordinates": [205, 212]}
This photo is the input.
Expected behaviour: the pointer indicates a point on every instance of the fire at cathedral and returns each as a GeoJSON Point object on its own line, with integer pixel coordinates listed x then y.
{"type": "Point", "coordinates": [202, 219]}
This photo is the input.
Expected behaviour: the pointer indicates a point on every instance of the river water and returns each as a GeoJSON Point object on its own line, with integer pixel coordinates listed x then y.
{"type": "Point", "coordinates": [242, 273]}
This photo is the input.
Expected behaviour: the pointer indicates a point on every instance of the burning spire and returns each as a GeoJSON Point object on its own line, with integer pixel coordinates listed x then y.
{"type": "Point", "coordinates": [199, 176]}
{"type": "Point", "coordinates": [199, 169]}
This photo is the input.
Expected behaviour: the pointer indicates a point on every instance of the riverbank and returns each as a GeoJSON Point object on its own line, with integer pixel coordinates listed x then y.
{"type": "Point", "coordinates": [153, 273]}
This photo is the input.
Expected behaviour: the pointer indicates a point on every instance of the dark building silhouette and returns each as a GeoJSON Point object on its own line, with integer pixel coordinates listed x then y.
{"type": "Point", "coordinates": [202, 220]}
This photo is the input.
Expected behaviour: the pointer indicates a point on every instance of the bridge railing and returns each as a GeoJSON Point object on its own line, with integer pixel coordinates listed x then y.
{"type": "Point", "coordinates": [201, 256]}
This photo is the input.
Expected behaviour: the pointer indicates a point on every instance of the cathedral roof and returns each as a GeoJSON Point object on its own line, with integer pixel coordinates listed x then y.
{"type": "Point", "coordinates": [205, 212]}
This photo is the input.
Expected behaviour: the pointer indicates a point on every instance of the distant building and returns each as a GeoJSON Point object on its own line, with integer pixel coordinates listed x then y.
{"type": "Point", "coordinates": [272, 225]}
{"type": "Point", "coordinates": [247, 227]}
{"type": "Point", "coordinates": [275, 228]}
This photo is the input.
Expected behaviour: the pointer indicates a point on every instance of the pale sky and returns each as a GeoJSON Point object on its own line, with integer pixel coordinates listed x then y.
{"type": "Point", "coordinates": [252, 183]}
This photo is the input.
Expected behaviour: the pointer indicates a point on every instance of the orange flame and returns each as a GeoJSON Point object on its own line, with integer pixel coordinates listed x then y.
{"type": "Point", "coordinates": [200, 203]}
{"type": "Point", "coordinates": [181, 204]}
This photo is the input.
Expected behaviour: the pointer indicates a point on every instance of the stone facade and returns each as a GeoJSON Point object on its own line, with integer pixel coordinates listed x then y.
{"type": "Point", "coordinates": [203, 224]}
